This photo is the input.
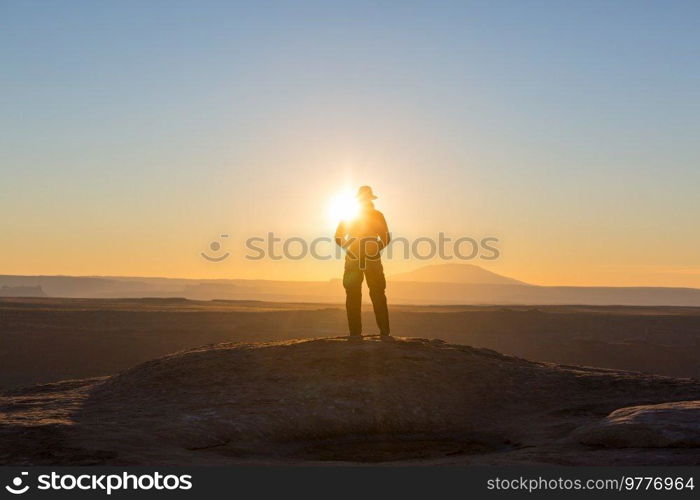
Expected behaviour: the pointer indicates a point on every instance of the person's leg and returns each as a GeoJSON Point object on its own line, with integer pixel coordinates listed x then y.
{"type": "Point", "coordinates": [352, 282]}
{"type": "Point", "coordinates": [377, 285]}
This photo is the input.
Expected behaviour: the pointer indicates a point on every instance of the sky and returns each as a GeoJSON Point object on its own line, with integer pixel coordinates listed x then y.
{"type": "Point", "coordinates": [133, 134]}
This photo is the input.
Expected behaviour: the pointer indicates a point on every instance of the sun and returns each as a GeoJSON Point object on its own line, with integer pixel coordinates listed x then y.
{"type": "Point", "coordinates": [343, 206]}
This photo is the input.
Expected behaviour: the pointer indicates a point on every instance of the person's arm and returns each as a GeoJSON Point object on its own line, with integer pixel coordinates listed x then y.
{"type": "Point", "coordinates": [340, 234]}
{"type": "Point", "coordinates": [383, 232]}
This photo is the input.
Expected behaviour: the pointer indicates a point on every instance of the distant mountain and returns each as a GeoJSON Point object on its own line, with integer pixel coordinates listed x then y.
{"type": "Point", "coordinates": [455, 273]}
{"type": "Point", "coordinates": [437, 284]}
{"type": "Point", "coordinates": [22, 291]}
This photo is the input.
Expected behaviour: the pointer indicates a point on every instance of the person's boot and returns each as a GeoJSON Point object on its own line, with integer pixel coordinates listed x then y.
{"type": "Point", "coordinates": [356, 337]}
{"type": "Point", "coordinates": [385, 337]}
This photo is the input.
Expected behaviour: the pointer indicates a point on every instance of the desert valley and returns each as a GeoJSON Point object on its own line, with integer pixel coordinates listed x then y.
{"type": "Point", "coordinates": [173, 380]}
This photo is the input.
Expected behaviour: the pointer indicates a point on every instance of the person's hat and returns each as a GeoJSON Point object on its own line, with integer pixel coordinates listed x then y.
{"type": "Point", "coordinates": [365, 193]}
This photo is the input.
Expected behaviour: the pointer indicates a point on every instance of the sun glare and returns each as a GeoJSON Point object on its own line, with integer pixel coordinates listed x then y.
{"type": "Point", "coordinates": [343, 206]}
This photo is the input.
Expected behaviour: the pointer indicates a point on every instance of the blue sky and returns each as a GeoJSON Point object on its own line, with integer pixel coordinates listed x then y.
{"type": "Point", "coordinates": [567, 129]}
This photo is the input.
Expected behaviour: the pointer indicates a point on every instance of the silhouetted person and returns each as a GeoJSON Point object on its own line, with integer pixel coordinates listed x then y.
{"type": "Point", "coordinates": [364, 237]}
